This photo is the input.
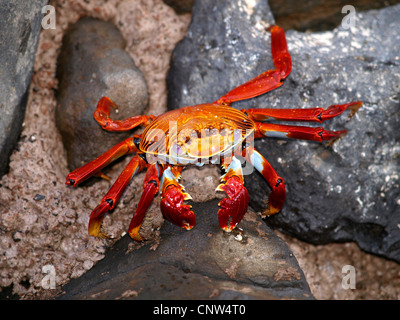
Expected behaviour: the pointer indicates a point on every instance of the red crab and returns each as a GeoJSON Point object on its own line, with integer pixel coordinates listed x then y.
{"type": "Point", "coordinates": [210, 132]}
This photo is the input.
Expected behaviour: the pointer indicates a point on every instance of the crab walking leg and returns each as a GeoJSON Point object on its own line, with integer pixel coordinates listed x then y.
{"type": "Point", "coordinates": [94, 167]}
{"type": "Point", "coordinates": [268, 80]}
{"type": "Point", "coordinates": [113, 195]}
{"type": "Point", "coordinates": [102, 116]}
{"type": "Point", "coordinates": [310, 114]}
{"type": "Point", "coordinates": [150, 188]}
{"type": "Point", "coordinates": [296, 132]}
{"type": "Point", "coordinates": [173, 196]}
{"type": "Point", "coordinates": [235, 206]}
{"type": "Point", "coordinates": [277, 196]}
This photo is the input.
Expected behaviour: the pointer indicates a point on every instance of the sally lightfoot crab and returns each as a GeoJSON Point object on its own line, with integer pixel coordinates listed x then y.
{"type": "Point", "coordinates": [206, 133]}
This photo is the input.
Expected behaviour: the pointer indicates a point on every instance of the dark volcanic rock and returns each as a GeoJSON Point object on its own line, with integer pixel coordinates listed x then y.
{"type": "Point", "coordinates": [20, 23]}
{"type": "Point", "coordinates": [349, 191]}
{"type": "Point", "coordinates": [203, 263]}
{"type": "Point", "coordinates": [214, 56]}
{"type": "Point", "coordinates": [93, 64]}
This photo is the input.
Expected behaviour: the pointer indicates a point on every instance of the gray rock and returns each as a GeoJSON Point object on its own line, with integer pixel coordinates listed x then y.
{"type": "Point", "coordinates": [203, 263]}
{"type": "Point", "coordinates": [213, 57]}
{"type": "Point", "coordinates": [93, 64]}
{"type": "Point", "coordinates": [345, 192]}
{"type": "Point", "coordinates": [20, 23]}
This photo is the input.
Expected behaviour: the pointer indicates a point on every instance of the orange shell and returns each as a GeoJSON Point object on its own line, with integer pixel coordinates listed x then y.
{"type": "Point", "coordinates": [195, 132]}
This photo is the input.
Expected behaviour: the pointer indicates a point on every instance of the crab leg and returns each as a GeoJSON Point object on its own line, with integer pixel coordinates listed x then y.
{"type": "Point", "coordinates": [296, 132]}
{"type": "Point", "coordinates": [173, 196]}
{"type": "Point", "coordinates": [235, 206]}
{"type": "Point", "coordinates": [94, 167]}
{"type": "Point", "coordinates": [150, 188]}
{"type": "Point", "coordinates": [268, 80]}
{"type": "Point", "coordinates": [277, 196]}
{"type": "Point", "coordinates": [113, 195]}
{"type": "Point", "coordinates": [310, 114]}
{"type": "Point", "coordinates": [102, 116]}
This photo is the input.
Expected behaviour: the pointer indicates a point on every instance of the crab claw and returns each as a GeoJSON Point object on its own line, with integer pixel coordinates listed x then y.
{"type": "Point", "coordinates": [173, 208]}
{"type": "Point", "coordinates": [233, 208]}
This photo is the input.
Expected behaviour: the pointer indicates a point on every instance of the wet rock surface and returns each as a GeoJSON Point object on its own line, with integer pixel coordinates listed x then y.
{"type": "Point", "coordinates": [348, 191]}
{"type": "Point", "coordinates": [93, 64]}
{"type": "Point", "coordinates": [203, 263]}
{"type": "Point", "coordinates": [20, 25]}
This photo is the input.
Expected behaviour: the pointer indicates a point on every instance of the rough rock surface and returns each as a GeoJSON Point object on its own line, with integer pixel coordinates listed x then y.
{"type": "Point", "coordinates": [93, 63]}
{"type": "Point", "coordinates": [20, 25]}
{"type": "Point", "coordinates": [203, 263]}
{"type": "Point", "coordinates": [345, 192]}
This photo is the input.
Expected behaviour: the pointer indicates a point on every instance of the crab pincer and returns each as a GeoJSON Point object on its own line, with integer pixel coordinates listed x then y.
{"type": "Point", "coordinates": [174, 210]}
{"type": "Point", "coordinates": [172, 205]}
{"type": "Point", "coordinates": [235, 206]}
